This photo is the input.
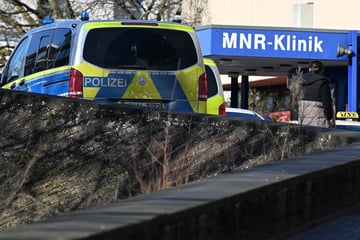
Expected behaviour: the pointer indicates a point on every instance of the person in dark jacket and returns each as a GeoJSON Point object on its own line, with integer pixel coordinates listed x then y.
{"type": "Point", "coordinates": [315, 101]}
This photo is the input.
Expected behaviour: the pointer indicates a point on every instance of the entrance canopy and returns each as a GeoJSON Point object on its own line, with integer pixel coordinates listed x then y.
{"type": "Point", "coordinates": [275, 51]}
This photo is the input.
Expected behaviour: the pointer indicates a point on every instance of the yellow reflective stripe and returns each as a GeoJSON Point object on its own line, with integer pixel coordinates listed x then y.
{"type": "Point", "coordinates": [91, 70]}
{"type": "Point", "coordinates": [92, 25]}
{"type": "Point", "coordinates": [214, 103]}
{"type": "Point", "coordinates": [179, 27]}
{"type": "Point", "coordinates": [90, 92]}
{"type": "Point", "coordinates": [209, 62]}
{"type": "Point", "coordinates": [49, 71]}
{"type": "Point", "coordinates": [117, 24]}
{"type": "Point", "coordinates": [201, 107]}
{"type": "Point", "coordinates": [8, 85]}
{"type": "Point", "coordinates": [136, 90]}
{"type": "Point", "coordinates": [37, 75]}
{"type": "Point", "coordinates": [189, 81]}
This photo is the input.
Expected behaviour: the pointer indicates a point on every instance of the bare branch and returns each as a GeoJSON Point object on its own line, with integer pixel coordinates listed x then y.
{"type": "Point", "coordinates": [68, 9]}
{"type": "Point", "coordinates": [55, 8]}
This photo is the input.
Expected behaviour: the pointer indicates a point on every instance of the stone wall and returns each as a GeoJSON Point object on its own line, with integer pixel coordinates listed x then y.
{"type": "Point", "coordinates": [271, 201]}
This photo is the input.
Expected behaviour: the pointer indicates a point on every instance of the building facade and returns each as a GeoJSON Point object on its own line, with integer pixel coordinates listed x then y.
{"type": "Point", "coordinates": [321, 14]}
{"type": "Point", "coordinates": [289, 15]}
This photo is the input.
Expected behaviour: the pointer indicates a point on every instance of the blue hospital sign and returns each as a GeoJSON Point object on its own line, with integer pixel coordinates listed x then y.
{"type": "Point", "coordinates": [292, 44]}
{"type": "Point", "coordinates": [272, 43]}
{"type": "Point", "coordinates": [279, 42]}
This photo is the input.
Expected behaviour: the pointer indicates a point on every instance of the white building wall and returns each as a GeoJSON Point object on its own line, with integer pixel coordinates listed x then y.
{"type": "Point", "coordinates": [249, 13]}
{"type": "Point", "coordinates": [327, 14]}
{"type": "Point", "coordinates": [337, 14]}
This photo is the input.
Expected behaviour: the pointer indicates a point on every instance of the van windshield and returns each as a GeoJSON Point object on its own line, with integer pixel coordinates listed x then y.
{"type": "Point", "coordinates": [140, 48]}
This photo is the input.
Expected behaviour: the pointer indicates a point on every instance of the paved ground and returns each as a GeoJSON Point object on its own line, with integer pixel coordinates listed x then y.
{"type": "Point", "coordinates": [345, 227]}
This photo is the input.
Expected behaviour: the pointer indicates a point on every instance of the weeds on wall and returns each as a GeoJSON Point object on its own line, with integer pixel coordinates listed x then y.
{"type": "Point", "coordinates": [89, 155]}
{"type": "Point", "coordinates": [159, 171]}
{"type": "Point", "coordinates": [174, 157]}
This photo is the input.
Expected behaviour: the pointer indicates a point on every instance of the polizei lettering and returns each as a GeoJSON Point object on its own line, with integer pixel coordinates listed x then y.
{"type": "Point", "coordinates": [278, 42]}
{"type": "Point", "coordinates": [105, 82]}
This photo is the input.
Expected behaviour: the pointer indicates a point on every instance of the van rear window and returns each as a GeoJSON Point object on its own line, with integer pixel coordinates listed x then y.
{"type": "Point", "coordinates": [140, 48]}
{"type": "Point", "coordinates": [211, 82]}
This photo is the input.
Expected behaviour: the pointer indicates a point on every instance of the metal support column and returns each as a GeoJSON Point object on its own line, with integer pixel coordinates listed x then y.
{"type": "Point", "coordinates": [352, 73]}
{"type": "Point", "coordinates": [244, 92]}
{"type": "Point", "coordinates": [234, 101]}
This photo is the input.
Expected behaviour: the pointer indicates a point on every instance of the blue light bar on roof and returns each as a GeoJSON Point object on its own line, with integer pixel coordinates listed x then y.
{"type": "Point", "coordinates": [84, 16]}
{"type": "Point", "coordinates": [45, 21]}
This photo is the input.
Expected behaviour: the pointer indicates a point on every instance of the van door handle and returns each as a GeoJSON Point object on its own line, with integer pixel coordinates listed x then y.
{"type": "Point", "coordinates": [22, 82]}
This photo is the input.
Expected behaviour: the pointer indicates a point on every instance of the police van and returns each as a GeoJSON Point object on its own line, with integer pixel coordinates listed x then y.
{"type": "Point", "coordinates": [144, 63]}
{"type": "Point", "coordinates": [216, 104]}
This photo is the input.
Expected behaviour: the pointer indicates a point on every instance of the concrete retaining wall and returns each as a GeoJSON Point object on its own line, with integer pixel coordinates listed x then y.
{"type": "Point", "coordinates": [265, 202]}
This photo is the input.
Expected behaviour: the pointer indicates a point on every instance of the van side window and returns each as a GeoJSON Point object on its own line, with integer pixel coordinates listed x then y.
{"type": "Point", "coordinates": [14, 69]}
{"type": "Point", "coordinates": [42, 54]}
{"type": "Point", "coordinates": [48, 49]}
{"type": "Point", "coordinates": [38, 52]}
{"type": "Point", "coordinates": [59, 54]}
